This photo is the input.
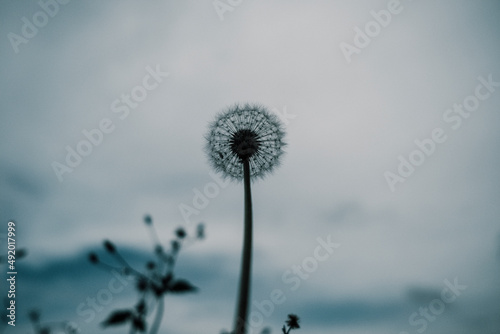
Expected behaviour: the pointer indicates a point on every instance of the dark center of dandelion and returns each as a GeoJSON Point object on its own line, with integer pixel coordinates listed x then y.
{"type": "Point", "coordinates": [244, 143]}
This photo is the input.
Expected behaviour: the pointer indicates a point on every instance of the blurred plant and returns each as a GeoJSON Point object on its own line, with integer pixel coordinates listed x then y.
{"type": "Point", "coordinates": [152, 285]}
{"type": "Point", "coordinates": [243, 142]}
{"type": "Point", "coordinates": [292, 322]}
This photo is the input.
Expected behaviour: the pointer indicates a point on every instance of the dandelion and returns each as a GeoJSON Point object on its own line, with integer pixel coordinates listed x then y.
{"type": "Point", "coordinates": [245, 142]}
{"type": "Point", "coordinates": [245, 135]}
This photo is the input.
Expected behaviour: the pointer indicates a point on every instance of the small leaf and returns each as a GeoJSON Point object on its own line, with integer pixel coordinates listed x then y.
{"type": "Point", "coordinates": [93, 258]}
{"type": "Point", "coordinates": [139, 324]}
{"type": "Point", "coordinates": [141, 307]}
{"type": "Point", "coordinates": [158, 290]}
{"type": "Point", "coordinates": [166, 280]}
{"type": "Point", "coordinates": [181, 286]}
{"type": "Point", "coordinates": [176, 245]}
{"type": "Point", "coordinates": [142, 284]}
{"type": "Point", "coordinates": [109, 246]}
{"type": "Point", "coordinates": [117, 318]}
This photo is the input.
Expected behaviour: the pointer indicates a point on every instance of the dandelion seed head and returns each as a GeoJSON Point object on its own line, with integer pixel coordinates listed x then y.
{"type": "Point", "coordinates": [245, 133]}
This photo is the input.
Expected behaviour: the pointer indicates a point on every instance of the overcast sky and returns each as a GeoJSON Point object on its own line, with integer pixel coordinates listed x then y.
{"type": "Point", "coordinates": [392, 117]}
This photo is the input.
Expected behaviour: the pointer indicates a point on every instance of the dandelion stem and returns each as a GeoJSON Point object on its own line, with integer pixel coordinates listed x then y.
{"type": "Point", "coordinates": [158, 317]}
{"type": "Point", "coordinates": [246, 263]}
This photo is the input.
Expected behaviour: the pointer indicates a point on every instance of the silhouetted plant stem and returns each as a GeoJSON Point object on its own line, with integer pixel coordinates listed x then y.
{"type": "Point", "coordinates": [157, 281]}
{"type": "Point", "coordinates": [159, 315]}
{"type": "Point", "coordinates": [243, 136]}
{"type": "Point", "coordinates": [246, 263]}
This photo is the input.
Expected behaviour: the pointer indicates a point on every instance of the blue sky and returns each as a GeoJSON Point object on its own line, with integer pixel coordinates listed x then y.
{"type": "Point", "coordinates": [152, 75]}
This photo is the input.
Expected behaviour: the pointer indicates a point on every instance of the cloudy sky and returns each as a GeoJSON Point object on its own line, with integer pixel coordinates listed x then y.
{"type": "Point", "coordinates": [392, 117]}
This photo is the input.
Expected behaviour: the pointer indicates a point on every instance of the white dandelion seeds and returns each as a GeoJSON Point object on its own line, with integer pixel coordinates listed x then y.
{"type": "Point", "coordinates": [245, 133]}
